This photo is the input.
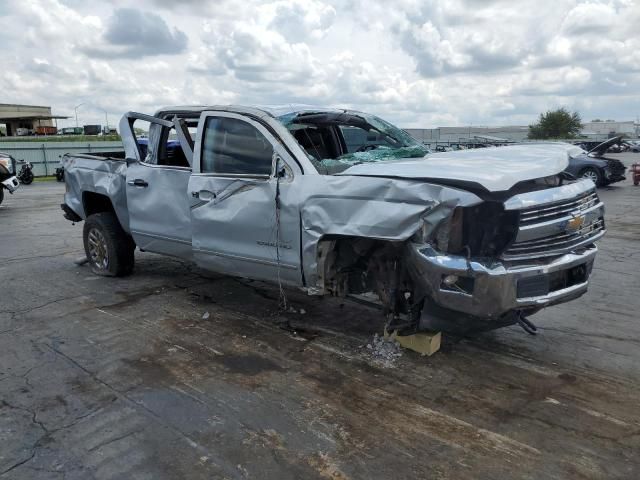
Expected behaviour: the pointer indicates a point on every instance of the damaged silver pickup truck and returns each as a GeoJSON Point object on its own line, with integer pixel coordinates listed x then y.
{"type": "Point", "coordinates": [339, 202]}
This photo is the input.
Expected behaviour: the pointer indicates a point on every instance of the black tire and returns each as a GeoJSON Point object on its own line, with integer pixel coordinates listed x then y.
{"type": "Point", "coordinates": [592, 174]}
{"type": "Point", "coordinates": [108, 247]}
{"type": "Point", "coordinates": [27, 178]}
{"type": "Point", "coordinates": [1, 195]}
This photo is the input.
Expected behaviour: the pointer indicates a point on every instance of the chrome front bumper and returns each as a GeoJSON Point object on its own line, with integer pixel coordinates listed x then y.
{"type": "Point", "coordinates": [491, 289]}
{"type": "Point", "coordinates": [11, 184]}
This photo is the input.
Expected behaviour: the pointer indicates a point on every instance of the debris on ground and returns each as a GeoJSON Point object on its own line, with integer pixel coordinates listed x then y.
{"type": "Point", "coordinates": [81, 261]}
{"type": "Point", "coordinates": [424, 343]}
{"type": "Point", "coordinates": [205, 316]}
{"type": "Point", "coordinates": [384, 351]}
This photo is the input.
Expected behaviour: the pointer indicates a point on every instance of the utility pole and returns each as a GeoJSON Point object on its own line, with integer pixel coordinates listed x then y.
{"type": "Point", "coordinates": [76, 110]}
{"type": "Point", "coordinates": [105, 129]}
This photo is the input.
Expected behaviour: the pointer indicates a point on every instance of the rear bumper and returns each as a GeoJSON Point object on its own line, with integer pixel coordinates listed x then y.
{"type": "Point", "coordinates": [492, 289]}
{"type": "Point", "coordinates": [11, 184]}
{"type": "Point", "coordinates": [69, 214]}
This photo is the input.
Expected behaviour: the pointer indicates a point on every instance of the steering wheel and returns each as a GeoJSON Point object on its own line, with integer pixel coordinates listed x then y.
{"type": "Point", "coordinates": [366, 148]}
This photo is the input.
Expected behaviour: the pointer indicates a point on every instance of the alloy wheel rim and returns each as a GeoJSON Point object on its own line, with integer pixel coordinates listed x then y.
{"type": "Point", "coordinates": [98, 252]}
{"type": "Point", "coordinates": [590, 175]}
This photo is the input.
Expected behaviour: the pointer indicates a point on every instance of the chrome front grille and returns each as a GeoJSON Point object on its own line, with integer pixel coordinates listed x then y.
{"type": "Point", "coordinates": [556, 228]}
{"type": "Point", "coordinates": [557, 244]}
{"type": "Point", "coordinates": [559, 209]}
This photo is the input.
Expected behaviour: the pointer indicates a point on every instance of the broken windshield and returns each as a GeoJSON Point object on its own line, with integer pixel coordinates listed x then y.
{"type": "Point", "coordinates": [337, 140]}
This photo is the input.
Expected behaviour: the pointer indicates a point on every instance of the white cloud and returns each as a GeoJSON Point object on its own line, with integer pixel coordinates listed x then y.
{"type": "Point", "coordinates": [589, 18]}
{"type": "Point", "coordinates": [297, 20]}
{"type": "Point", "coordinates": [416, 62]}
{"type": "Point", "coordinates": [132, 33]}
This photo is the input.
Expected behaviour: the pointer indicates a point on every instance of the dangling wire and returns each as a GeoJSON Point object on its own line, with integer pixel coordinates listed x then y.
{"type": "Point", "coordinates": [282, 298]}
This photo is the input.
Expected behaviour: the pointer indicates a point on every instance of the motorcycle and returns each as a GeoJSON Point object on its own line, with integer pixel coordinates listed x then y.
{"type": "Point", "coordinates": [60, 172]}
{"type": "Point", "coordinates": [8, 181]}
{"type": "Point", "coordinates": [26, 173]}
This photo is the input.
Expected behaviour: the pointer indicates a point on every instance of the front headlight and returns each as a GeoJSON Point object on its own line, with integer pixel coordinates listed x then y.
{"type": "Point", "coordinates": [550, 181]}
{"type": "Point", "coordinates": [6, 163]}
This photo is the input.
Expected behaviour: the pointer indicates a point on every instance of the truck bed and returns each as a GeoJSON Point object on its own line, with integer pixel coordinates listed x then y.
{"type": "Point", "coordinates": [119, 155]}
{"type": "Point", "coordinates": [102, 173]}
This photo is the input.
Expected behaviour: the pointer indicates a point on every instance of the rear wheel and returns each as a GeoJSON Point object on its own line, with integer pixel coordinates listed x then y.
{"type": "Point", "coordinates": [1, 194]}
{"type": "Point", "coordinates": [27, 177]}
{"type": "Point", "coordinates": [592, 174]}
{"type": "Point", "coordinates": [108, 247]}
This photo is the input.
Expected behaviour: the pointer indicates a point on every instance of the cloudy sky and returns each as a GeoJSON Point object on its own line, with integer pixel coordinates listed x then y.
{"type": "Point", "coordinates": [418, 63]}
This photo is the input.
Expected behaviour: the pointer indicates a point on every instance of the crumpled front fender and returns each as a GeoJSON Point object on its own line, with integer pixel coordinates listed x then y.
{"type": "Point", "coordinates": [368, 207]}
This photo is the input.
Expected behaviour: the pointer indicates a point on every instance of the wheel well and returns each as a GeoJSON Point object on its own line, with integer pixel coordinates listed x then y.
{"type": "Point", "coordinates": [350, 264]}
{"type": "Point", "coordinates": [356, 265]}
{"type": "Point", "coordinates": [96, 203]}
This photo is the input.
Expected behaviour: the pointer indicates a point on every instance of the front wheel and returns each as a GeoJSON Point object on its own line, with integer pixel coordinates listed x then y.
{"type": "Point", "coordinates": [27, 177]}
{"type": "Point", "coordinates": [108, 247]}
{"type": "Point", "coordinates": [1, 195]}
{"type": "Point", "coordinates": [592, 174]}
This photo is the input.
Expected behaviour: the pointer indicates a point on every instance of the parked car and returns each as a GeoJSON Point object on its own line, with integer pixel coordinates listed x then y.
{"type": "Point", "coordinates": [476, 239]}
{"type": "Point", "coordinates": [634, 146]}
{"type": "Point", "coordinates": [8, 180]}
{"type": "Point", "coordinates": [23, 132]}
{"type": "Point", "coordinates": [172, 148]}
{"type": "Point", "coordinates": [593, 165]}
{"type": "Point", "coordinates": [444, 148]}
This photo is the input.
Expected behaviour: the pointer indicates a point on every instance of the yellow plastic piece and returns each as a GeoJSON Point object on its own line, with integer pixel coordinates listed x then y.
{"type": "Point", "coordinates": [425, 343]}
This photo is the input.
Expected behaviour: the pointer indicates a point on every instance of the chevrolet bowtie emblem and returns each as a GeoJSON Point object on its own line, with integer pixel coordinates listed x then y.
{"type": "Point", "coordinates": [575, 223]}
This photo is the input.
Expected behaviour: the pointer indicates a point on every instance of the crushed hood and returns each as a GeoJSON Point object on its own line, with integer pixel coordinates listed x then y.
{"type": "Point", "coordinates": [495, 169]}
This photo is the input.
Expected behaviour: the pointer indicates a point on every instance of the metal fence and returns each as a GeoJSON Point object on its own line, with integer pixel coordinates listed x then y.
{"type": "Point", "coordinates": [45, 156]}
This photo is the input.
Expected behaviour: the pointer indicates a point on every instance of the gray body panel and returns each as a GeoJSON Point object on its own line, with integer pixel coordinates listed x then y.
{"type": "Point", "coordinates": [238, 233]}
{"type": "Point", "coordinates": [370, 207]}
{"type": "Point", "coordinates": [494, 169]}
{"type": "Point", "coordinates": [104, 176]}
{"type": "Point", "coordinates": [159, 212]}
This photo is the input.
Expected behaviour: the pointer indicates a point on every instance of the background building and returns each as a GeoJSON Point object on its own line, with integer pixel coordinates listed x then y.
{"type": "Point", "coordinates": [19, 119]}
{"type": "Point", "coordinates": [470, 134]}
{"type": "Point", "coordinates": [610, 128]}
{"type": "Point", "coordinates": [496, 135]}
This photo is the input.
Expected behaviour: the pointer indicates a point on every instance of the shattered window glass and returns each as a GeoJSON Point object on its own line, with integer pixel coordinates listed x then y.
{"type": "Point", "coordinates": [356, 139]}
{"type": "Point", "coordinates": [337, 140]}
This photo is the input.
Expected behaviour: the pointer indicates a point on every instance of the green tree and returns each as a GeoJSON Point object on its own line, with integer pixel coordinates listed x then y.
{"type": "Point", "coordinates": [558, 123]}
